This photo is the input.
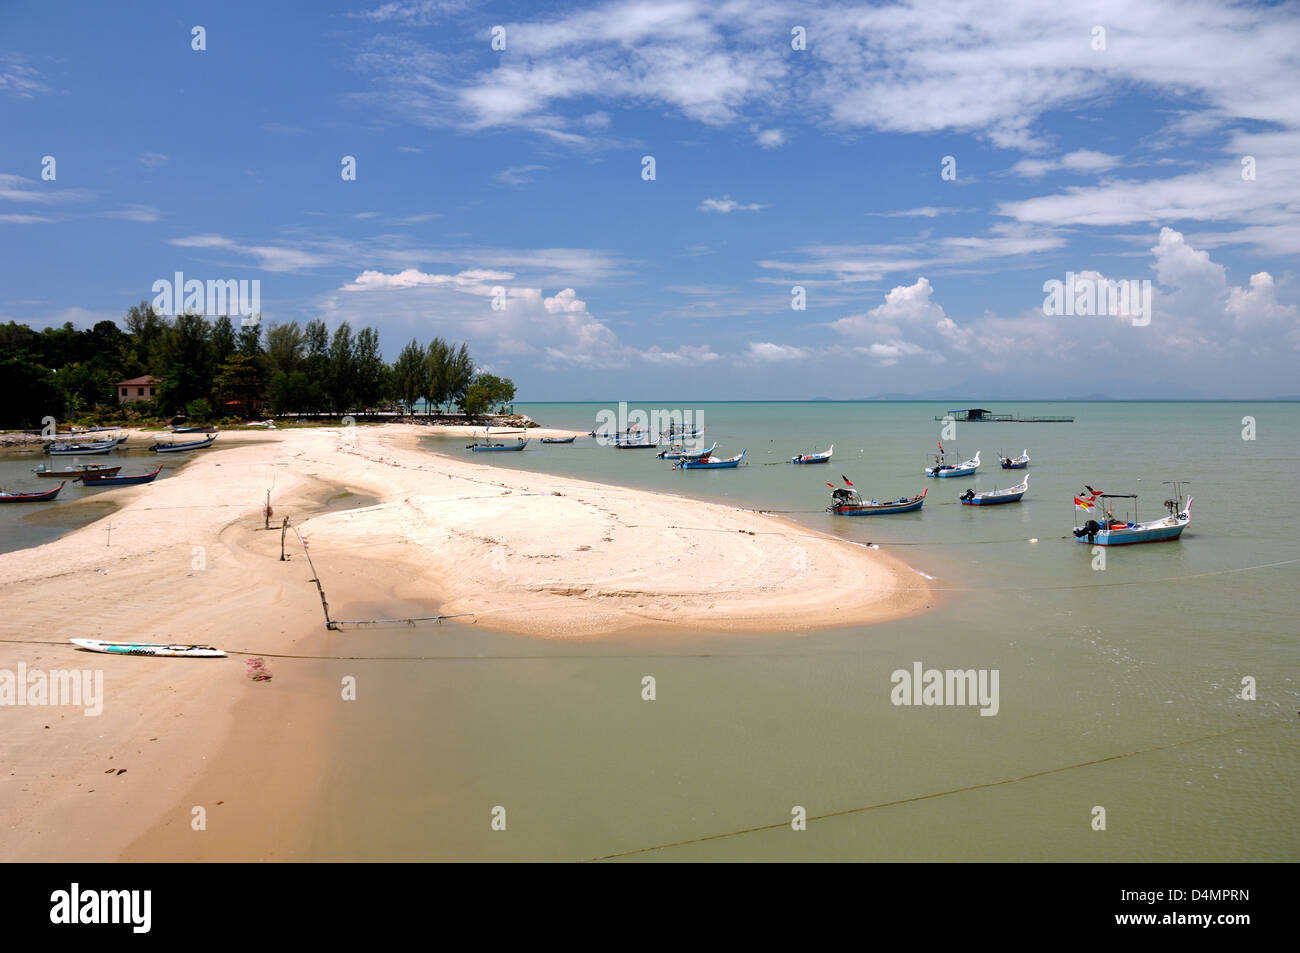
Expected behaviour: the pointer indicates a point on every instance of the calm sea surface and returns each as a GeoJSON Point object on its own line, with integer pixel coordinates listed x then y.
{"type": "Point", "coordinates": [1143, 660]}
{"type": "Point", "coordinates": [1118, 688]}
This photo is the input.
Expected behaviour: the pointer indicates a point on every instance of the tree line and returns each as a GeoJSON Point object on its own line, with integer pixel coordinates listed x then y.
{"type": "Point", "coordinates": [212, 369]}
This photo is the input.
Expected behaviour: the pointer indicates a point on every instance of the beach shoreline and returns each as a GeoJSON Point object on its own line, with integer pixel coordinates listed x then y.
{"type": "Point", "coordinates": [395, 531]}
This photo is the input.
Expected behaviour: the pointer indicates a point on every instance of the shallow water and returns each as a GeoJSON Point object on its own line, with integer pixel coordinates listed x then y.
{"type": "Point", "coordinates": [1118, 688]}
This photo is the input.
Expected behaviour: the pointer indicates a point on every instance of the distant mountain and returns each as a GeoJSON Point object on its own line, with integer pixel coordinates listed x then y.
{"type": "Point", "coordinates": [976, 391]}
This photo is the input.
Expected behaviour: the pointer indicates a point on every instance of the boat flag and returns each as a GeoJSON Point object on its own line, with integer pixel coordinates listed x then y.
{"type": "Point", "coordinates": [847, 481]}
{"type": "Point", "coordinates": [1083, 504]}
{"type": "Point", "coordinates": [831, 485]}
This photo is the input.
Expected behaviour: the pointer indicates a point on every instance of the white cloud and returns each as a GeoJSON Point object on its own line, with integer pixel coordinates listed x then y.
{"type": "Point", "coordinates": [1080, 161]}
{"type": "Point", "coordinates": [1256, 306]}
{"type": "Point", "coordinates": [152, 160]}
{"type": "Point", "coordinates": [765, 352]}
{"type": "Point", "coordinates": [11, 219]}
{"type": "Point", "coordinates": [726, 205]}
{"type": "Point", "coordinates": [520, 175]}
{"type": "Point", "coordinates": [135, 213]}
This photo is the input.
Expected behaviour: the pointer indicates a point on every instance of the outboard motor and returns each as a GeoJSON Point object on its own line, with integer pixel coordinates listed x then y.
{"type": "Point", "coordinates": [968, 495]}
{"type": "Point", "coordinates": [1089, 529]}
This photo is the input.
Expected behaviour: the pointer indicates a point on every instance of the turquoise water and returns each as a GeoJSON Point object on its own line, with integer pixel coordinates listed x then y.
{"type": "Point", "coordinates": [1118, 687]}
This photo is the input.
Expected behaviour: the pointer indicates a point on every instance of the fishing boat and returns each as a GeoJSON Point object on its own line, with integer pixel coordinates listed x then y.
{"type": "Point", "coordinates": [62, 448]}
{"type": "Point", "coordinates": [205, 429]}
{"type": "Point", "coordinates": [635, 443]}
{"type": "Point", "coordinates": [97, 480]}
{"type": "Point", "coordinates": [486, 447]}
{"type": "Point", "coordinates": [178, 447]}
{"type": "Point", "coordinates": [7, 497]}
{"type": "Point", "coordinates": [678, 452]}
{"type": "Point", "coordinates": [558, 439]}
{"type": "Point", "coordinates": [268, 424]}
{"type": "Point", "coordinates": [148, 648]}
{"type": "Point", "coordinates": [1011, 494]}
{"type": "Point", "coordinates": [1015, 463]}
{"type": "Point", "coordinates": [1109, 531]}
{"type": "Point", "coordinates": [847, 501]}
{"type": "Point", "coordinates": [942, 468]}
{"type": "Point", "coordinates": [709, 463]}
{"type": "Point", "coordinates": [823, 457]}
{"type": "Point", "coordinates": [43, 471]}
{"type": "Point", "coordinates": [681, 433]}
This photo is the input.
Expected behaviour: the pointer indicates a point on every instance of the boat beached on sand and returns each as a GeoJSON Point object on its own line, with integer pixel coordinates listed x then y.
{"type": "Point", "coordinates": [64, 448]}
{"type": "Point", "coordinates": [1011, 494]}
{"type": "Point", "coordinates": [557, 440]}
{"type": "Point", "coordinates": [1110, 531]}
{"type": "Point", "coordinates": [96, 480]}
{"type": "Point", "coordinates": [188, 445]}
{"type": "Point", "coordinates": [148, 648]}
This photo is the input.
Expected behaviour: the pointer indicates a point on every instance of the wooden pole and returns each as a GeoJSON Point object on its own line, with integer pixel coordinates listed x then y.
{"type": "Point", "coordinates": [284, 528]}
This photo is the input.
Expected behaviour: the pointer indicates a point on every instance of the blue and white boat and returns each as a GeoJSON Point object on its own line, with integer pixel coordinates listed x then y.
{"type": "Point", "coordinates": [710, 463]}
{"type": "Point", "coordinates": [1015, 463]}
{"type": "Point", "coordinates": [678, 452]}
{"type": "Point", "coordinates": [1011, 494]}
{"type": "Point", "coordinates": [942, 468]}
{"type": "Point", "coordinates": [1112, 531]}
{"type": "Point", "coordinates": [823, 457]}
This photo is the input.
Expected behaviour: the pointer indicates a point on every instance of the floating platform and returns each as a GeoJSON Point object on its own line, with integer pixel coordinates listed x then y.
{"type": "Point", "coordinates": [975, 415]}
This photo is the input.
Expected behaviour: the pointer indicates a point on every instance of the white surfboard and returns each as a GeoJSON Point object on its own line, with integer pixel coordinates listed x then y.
{"type": "Point", "coordinates": [149, 648]}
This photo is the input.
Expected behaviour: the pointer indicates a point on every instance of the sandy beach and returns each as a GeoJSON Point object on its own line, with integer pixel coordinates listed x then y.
{"type": "Point", "coordinates": [395, 532]}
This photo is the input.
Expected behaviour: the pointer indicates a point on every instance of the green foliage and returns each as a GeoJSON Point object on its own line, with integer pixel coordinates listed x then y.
{"type": "Point", "coordinates": [203, 364]}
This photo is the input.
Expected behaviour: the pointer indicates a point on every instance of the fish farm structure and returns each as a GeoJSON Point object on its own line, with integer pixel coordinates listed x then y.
{"type": "Point", "coordinates": [974, 415]}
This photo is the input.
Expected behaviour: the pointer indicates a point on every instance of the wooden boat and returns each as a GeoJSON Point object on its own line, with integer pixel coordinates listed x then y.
{"type": "Point", "coordinates": [1011, 494]}
{"type": "Point", "coordinates": [97, 479]}
{"type": "Point", "coordinates": [7, 497]}
{"type": "Point", "coordinates": [268, 424]}
{"type": "Point", "coordinates": [1110, 531]}
{"type": "Point", "coordinates": [558, 439]}
{"type": "Point", "coordinates": [678, 452]}
{"type": "Point", "coordinates": [207, 429]}
{"type": "Point", "coordinates": [178, 447]}
{"type": "Point", "coordinates": [84, 449]}
{"type": "Point", "coordinates": [846, 501]}
{"type": "Point", "coordinates": [679, 434]}
{"type": "Point", "coordinates": [710, 463]}
{"type": "Point", "coordinates": [635, 443]}
{"type": "Point", "coordinates": [486, 447]}
{"type": "Point", "coordinates": [823, 457]}
{"type": "Point", "coordinates": [148, 648]}
{"type": "Point", "coordinates": [43, 471]}
{"type": "Point", "coordinates": [942, 468]}
{"type": "Point", "coordinates": [1015, 463]}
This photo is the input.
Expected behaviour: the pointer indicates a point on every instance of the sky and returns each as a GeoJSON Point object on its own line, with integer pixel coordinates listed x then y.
{"type": "Point", "coordinates": [921, 171]}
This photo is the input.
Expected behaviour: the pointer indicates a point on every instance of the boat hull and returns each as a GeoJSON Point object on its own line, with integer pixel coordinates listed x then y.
{"type": "Point", "coordinates": [557, 440]}
{"type": "Point", "coordinates": [954, 472]}
{"type": "Point", "coordinates": [81, 451]}
{"type": "Point", "coordinates": [148, 648]}
{"type": "Point", "coordinates": [96, 480]}
{"type": "Point", "coordinates": [181, 447]}
{"type": "Point", "coordinates": [1131, 537]}
{"type": "Point", "coordinates": [710, 464]}
{"type": "Point", "coordinates": [512, 449]}
{"type": "Point", "coordinates": [885, 509]}
{"type": "Point", "coordinates": [33, 497]}
{"type": "Point", "coordinates": [993, 501]}
{"type": "Point", "coordinates": [1013, 465]}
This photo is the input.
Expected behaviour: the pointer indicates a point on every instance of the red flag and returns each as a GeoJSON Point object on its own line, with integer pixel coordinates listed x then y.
{"type": "Point", "coordinates": [831, 485]}
{"type": "Point", "coordinates": [847, 481]}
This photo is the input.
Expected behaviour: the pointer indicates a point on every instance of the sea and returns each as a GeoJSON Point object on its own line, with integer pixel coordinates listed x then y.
{"type": "Point", "coordinates": [1144, 707]}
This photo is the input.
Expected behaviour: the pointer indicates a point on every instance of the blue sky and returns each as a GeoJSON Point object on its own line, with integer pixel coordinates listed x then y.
{"type": "Point", "coordinates": [522, 169]}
